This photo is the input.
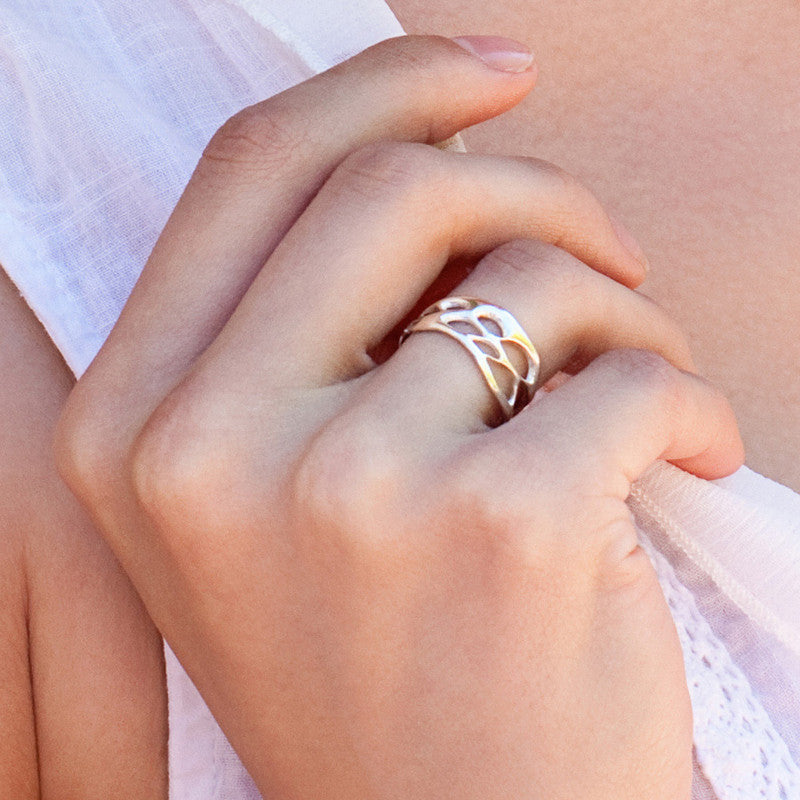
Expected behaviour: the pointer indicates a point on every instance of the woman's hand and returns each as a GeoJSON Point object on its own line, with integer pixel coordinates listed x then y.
{"type": "Point", "coordinates": [378, 595]}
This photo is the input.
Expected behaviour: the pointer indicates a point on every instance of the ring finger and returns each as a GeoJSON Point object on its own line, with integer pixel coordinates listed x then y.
{"type": "Point", "coordinates": [570, 312]}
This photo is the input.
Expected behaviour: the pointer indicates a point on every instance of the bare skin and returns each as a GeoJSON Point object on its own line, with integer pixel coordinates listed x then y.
{"type": "Point", "coordinates": [683, 118]}
{"type": "Point", "coordinates": [611, 106]}
{"type": "Point", "coordinates": [76, 644]}
{"type": "Point", "coordinates": [327, 521]}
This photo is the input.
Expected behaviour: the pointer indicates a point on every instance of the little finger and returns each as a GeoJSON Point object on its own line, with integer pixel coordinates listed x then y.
{"type": "Point", "coordinates": [624, 411]}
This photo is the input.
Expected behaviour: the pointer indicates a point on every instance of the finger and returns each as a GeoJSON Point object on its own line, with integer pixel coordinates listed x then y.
{"type": "Point", "coordinates": [570, 312]}
{"type": "Point", "coordinates": [378, 233]}
{"type": "Point", "coordinates": [627, 409]}
{"type": "Point", "coordinates": [261, 169]}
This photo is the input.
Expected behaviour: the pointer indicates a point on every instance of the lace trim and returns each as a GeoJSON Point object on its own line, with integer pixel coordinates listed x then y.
{"type": "Point", "coordinates": [740, 752]}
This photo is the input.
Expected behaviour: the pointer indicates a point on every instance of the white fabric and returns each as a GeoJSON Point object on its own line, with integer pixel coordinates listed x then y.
{"type": "Point", "coordinates": [731, 576]}
{"type": "Point", "coordinates": [106, 107]}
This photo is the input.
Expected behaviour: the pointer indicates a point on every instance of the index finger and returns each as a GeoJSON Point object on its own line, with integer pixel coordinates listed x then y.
{"type": "Point", "coordinates": [259, 172]}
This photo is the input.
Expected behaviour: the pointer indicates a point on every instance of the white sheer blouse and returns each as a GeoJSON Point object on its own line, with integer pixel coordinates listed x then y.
{"type": "Point", "coordinates": [106, 107]}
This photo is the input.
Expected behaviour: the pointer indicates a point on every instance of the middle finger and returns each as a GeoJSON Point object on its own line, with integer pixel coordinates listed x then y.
{"type": "Point", "coordinates": [376, 235]}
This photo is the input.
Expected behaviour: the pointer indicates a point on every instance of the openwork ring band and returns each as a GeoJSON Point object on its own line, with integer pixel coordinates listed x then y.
{"type": "Point", "coordinates": [498, 344]}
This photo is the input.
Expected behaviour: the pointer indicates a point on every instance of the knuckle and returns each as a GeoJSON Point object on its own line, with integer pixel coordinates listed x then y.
{"type": "Point", "coordinates": [410, 57]}
{"type": "Point", "coordinates": [649, 377]}
{"type": "Point", "coordinates": [676, 342]}
{"type": "Point", "coordinates": [391, 173]}
{"type": "Point", "coordinates": [190, 488]}
{"type": "Point", "coordinates": [543, 526]}
{"type": "Point", "coordinates": [556, 179]}
{"type": "Point", "coordinates": [564, 281]}
{"type": "Point", "coordinates": [557, 278]}
{"type": "Point", "coordinates": [516, 258]}
{"type": "Point", "coordinates": [412, 69]}
{"type": "Point", "coordinates": [176, 469]}
{"type": "Point", "coordinates": [572, 202]}
{"type": "Point", "coordinates": [347, 484]}
{"type": "Point", "coordinates": [262, 137]}
{"type": "Point", "coordinates": [490, 508]}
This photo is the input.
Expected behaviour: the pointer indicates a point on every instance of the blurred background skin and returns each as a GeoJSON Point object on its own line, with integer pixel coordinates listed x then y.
{"type": "Point", "coordinates": [684, 117]}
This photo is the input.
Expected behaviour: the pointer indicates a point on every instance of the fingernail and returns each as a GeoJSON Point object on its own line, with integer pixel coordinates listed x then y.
{"type": "Point", "coordinates": [506, 55]}
{"type": "Point", "coordinates": [629, 243]}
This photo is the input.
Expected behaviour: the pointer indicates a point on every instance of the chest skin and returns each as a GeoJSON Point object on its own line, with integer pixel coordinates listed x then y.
{"type": "Point", "coordinates": [683, 116]}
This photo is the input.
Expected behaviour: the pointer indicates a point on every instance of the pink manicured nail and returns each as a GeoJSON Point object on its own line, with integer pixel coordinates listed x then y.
{"type": "Point", "coordinates": [506, 55]}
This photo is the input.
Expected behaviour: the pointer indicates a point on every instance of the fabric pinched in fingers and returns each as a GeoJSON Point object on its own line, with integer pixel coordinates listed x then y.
{"type": "Point", "coordinates": [729, 568]}
{"type": "Point", "coordinates": [737, 746]}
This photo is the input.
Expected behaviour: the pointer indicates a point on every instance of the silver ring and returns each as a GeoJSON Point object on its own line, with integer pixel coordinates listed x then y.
{"type": "Point", "coordinates": [486, 331]}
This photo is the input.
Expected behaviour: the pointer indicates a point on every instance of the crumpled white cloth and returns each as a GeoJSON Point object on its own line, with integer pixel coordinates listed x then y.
{"type": "Point", "coordinates": [106, 107]}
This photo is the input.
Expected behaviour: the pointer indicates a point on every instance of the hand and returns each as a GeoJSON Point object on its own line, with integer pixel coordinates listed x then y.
{"type": "Point", "coordinates": [378, 595]}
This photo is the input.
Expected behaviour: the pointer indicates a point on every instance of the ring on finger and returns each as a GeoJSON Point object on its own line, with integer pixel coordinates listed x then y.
{"type": "Point", "coordinates": [492, 335]}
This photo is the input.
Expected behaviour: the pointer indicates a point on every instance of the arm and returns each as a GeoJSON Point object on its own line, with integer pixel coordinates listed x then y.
{"type": "Point", "coordinates": [82, 702]}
